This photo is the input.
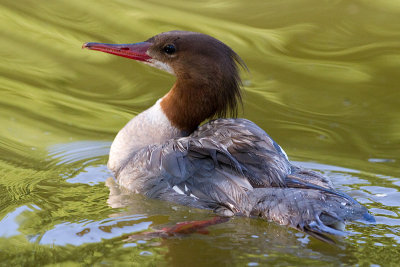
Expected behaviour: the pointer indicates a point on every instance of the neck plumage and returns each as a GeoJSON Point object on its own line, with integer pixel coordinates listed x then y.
{"type": "Point", "coordinates": [188, 104]}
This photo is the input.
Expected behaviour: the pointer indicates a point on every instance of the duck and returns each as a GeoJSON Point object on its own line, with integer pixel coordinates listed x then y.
{"type": "Point", "coordinates": [190, 148]}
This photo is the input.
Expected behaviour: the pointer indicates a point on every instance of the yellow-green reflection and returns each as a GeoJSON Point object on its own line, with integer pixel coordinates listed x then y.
{"type": "Point", "coordinates": [323, 82]}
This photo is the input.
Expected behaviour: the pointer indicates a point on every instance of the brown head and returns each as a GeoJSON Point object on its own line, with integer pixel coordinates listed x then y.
{"type": "Point", "coordinates": [208, 81]}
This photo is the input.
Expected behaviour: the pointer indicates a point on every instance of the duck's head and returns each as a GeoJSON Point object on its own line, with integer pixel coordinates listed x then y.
{"type": "Point", "coordinates": [208, 81]}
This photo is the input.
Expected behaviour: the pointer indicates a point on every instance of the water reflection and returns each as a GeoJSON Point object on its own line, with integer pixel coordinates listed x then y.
{"type": "Point", "coordinates": [91, 232]}
{"type": "Point", "coordinates": [9, 225]}
{"type": "Point", "coordinates": [323, 83]}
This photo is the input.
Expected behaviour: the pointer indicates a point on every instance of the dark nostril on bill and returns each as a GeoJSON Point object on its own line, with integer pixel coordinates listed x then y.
{"type": "Point", "coordinates": [124, 48]}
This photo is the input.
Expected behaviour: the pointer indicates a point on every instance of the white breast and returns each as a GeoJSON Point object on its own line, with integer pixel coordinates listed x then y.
{"type": "Point", "coordinates": [149, 127]}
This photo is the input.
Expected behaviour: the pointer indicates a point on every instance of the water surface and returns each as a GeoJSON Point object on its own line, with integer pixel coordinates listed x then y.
{"type": "Point", "coordinates": [324, 83]}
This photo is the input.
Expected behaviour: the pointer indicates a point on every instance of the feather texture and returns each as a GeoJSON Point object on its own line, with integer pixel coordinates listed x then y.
{"type": "Point", "coordinates": [233, 167]}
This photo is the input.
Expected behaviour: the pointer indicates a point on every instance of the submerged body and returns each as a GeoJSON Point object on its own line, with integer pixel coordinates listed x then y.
{"type": "Point", "coordinates": [228, 165]}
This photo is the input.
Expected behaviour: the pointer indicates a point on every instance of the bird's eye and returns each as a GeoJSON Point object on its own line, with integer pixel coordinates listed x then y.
{"type": "Point", "coordinates": [169, 49]}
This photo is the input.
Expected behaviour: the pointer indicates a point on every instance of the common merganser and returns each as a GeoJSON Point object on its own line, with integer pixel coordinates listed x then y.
{"type": "Point", "coordinates": [228, 165]}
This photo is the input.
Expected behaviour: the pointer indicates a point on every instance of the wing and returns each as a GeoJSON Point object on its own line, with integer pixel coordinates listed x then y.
{"type": "Point", "coordinates": [215, 166]}
{"type": "Point", "coordinates": [244, 145]}
{"type": "Point", "coordinates": [234, 167]}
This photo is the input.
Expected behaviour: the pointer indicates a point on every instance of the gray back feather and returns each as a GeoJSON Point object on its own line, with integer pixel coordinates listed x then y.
{"type": "Point", "coordinates": [233, 165]}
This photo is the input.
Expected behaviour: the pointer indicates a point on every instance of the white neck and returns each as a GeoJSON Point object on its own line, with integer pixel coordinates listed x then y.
{"type": "Point", "coordinates": [149, 127]}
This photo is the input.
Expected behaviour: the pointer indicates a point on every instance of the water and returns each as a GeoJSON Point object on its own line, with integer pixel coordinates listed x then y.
{"type": "Point", "coordinates": [324, 84]}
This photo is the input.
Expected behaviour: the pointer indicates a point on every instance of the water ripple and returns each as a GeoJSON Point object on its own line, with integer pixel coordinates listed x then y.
{"type": "Point", "coordinates": [323, 83]}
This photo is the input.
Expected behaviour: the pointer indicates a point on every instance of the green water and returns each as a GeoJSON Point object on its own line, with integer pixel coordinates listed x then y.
{"type": "Point", "coordinates": [324, 83]}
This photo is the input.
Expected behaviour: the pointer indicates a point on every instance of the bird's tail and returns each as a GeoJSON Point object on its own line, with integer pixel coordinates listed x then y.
{"type": "Point", "coordinates": [316, 209]}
